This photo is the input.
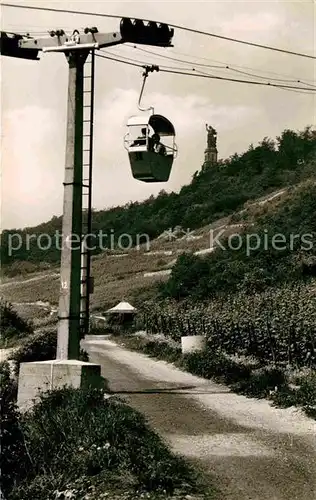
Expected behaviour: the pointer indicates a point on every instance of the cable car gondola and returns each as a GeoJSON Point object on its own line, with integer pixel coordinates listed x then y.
{"type": "Point", "coordinates": [150, 142]}
{"type": "Point", "coordinates": [151, 147]}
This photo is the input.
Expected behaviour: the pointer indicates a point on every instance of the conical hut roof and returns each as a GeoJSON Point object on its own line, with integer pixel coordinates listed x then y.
{"type": "Point", "coordinates": [123, 308]}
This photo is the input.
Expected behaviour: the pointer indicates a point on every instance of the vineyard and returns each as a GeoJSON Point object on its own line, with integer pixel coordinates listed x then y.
{"type": "Point", "coordinates": [277, 326]}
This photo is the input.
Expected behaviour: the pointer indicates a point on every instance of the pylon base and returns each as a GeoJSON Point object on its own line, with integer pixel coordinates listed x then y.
{"type": "Point", "coordinates": [41, 376]}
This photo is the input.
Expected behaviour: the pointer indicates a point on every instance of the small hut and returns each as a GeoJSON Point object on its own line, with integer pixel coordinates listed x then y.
{"type": "Point", "coordinates": [121, 317]}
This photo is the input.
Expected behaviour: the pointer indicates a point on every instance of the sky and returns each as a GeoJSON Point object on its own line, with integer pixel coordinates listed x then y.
{"type": "Point", "coordinates": [34, 96]}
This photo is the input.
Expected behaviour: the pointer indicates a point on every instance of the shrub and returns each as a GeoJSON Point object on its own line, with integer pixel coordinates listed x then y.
{"type": "Point", "coordinates": [161, 350]}
{"type": "Point", "coordinates": [307, 391]}
{"type": "Point", "coordinates": [261, 382]}
{"type": "Point", "coordinates": [11, 324]}
{"type": "Point", "coordinates": [76, 434]}
{"type": "Point", "coordinates": [156, 348]}
{"type": "Point", "coordinates": [13, 459]}
{"type": "Point", "coordinates": [39, 347]}
{"type": "Point", "coordinates": [244, 377]}
{"type": "Point", "coordinates": [215, 365]}
{"type": "Point", "coordinates": [303, 396]}
{"type": "Point", "coordinates": [231, 269]}
{"type": "Point", "coordinates": [9, 386]}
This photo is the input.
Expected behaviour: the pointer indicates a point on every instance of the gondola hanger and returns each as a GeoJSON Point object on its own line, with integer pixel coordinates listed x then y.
{"type": "Point", "coordinates": [148, 69]}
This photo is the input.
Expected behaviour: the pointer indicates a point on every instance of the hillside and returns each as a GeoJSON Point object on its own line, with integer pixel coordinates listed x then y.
{"type": "Point", "coordinates": [275, 245]}
{"type": "Point", "coordinates": [255, 301]}
{"type": "Point", "coordinates": [138, 274]}
{"type": "Point", "coordinates": [214, 193]}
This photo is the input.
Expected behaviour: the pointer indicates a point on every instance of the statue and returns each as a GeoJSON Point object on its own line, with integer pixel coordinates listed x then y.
{"type": "Point", "coordinates": [211, 136]}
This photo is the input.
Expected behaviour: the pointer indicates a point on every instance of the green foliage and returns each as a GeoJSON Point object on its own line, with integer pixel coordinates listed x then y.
{"type": "Point", "coordinates": [209, 364]}
{"type": "Point", "coordinates": [161, 350]}
{"type": "Point", "coordinates": [13, 458]}
{"type": "Point", "coordinates": [304, 395]}
{"type": "Point", "coordinates": [76, 438]}
{"type": "Point", "coordinates": [190, 276]}
{"type": "Point", "coordinates": [12, 326]}
{"type": "Point", "coordinates": [228, 269]}
{"type": "Point", "coordinates": [22, 268]}
{"type": "Point", "coordinates": [213, 193]}
{"type": "Point", "coordinates": [242, 375]}
{"type": "Point", "coordinates": [39, 347]}
{"type": "Point", "coordinates": [262, 381]}
{"type": "Point", "coordinates": [278, 325]}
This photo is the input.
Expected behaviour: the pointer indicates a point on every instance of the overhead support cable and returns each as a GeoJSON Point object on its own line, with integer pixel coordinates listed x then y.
{"type": "Point", "coordinates": [200, 74]}
{"type": "Point", "coordinates": [184, 28]}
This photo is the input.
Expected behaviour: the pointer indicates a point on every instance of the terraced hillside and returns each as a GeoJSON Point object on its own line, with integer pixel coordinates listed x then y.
{"type": "Point", "coordinates": [227, 199]}
{"type": "Point", "coordinates": [133, 275]}
{"type": "Point", "coordinates": [214, 193]}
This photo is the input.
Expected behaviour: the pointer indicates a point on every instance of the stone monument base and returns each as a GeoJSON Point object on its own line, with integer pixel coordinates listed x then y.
{"type": "Point", "coordinates": [42, 376]}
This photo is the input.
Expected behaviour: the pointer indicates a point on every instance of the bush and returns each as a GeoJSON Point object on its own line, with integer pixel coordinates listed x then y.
{"type": "Point", "coordinates": [307, 392]}
{"type": "Point", "coordinates": [13, 459]}
{"type": "Point", "coordinates": [231, 269]}
{"type": "Point", "coordinates": [276, 326]}
{"type": "Point", "coordinates": [76, 434]}
{"type": "Point", "coordinates": [215, 365]}
{"type": "Point", "coordinates": [304, 396]}
{"type": "Point", "coordinates": [261, 382]}
{"type": "Point", "coordinates": [9, 386]}
{"type": "Point", "coordinates": [156, 348]}
{"type": "Point", "coordinates": [39, 347]}
{"type": "Point", "coordinates": [162, 350]}
{"type": "Point", "coordinates": [12, 326]}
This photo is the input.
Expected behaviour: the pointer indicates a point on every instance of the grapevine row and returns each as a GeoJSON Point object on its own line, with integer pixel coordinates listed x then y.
{"type": "Point", "coordinates": [275, 326]}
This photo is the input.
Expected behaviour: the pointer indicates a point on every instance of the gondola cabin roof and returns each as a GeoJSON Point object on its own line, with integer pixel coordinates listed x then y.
{"type": "Point", "coordinates": [138, 120]}
{"type": "Point", "coordinates": [159, 123]}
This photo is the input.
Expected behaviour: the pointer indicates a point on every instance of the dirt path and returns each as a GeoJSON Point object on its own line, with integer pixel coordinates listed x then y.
{"type": "Point", "coordinates": [10, 283]}
{"type": "Point", "coordinates": [253, 451]}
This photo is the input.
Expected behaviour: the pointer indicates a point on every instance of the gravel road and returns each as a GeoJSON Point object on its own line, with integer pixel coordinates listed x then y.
{"type": "Point", "coordinates": [249, 449]}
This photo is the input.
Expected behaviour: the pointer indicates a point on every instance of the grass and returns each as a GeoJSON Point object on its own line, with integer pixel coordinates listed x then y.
{"type": "Point", "coordinates": [128, 289]}
{"type": "Point", "coordinates": [77, 441]}
{"type": "Point", "coordinates": [303, 395]}
{"type": "Point", "coordinates": [80, 444]}
{"type": "Point", "coordinates": [115, 278]}
{"type": "Point", "coordinates": [13, 342]}
{"type": "Point", "coordinates": [45, 289]}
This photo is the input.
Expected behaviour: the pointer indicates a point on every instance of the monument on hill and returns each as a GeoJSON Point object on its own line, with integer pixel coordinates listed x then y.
{"type": "Point", "coordinates": [210, 154]}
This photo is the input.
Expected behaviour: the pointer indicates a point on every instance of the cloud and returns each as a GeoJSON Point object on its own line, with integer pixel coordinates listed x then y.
{"type": "Point", "coordinates": [264, 23]}
{"type": "Point", "coordinates": [32, 165]}
{"type": "Point", "coordinates": [34, 151]}
{"type": "Point", "coordinates": [33, 144]}
{"type": "Point", "coordinates": [114, 182]}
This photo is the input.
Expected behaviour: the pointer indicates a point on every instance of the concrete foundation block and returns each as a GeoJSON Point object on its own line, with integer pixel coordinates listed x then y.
{"type": "Point", "coordinates": [41, 376]}
{"type": "Point", "coordinates": [193, 343]}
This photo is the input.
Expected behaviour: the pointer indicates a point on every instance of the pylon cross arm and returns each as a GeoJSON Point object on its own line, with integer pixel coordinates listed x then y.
{"type": "Point", "coordinates": [65, 43]}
